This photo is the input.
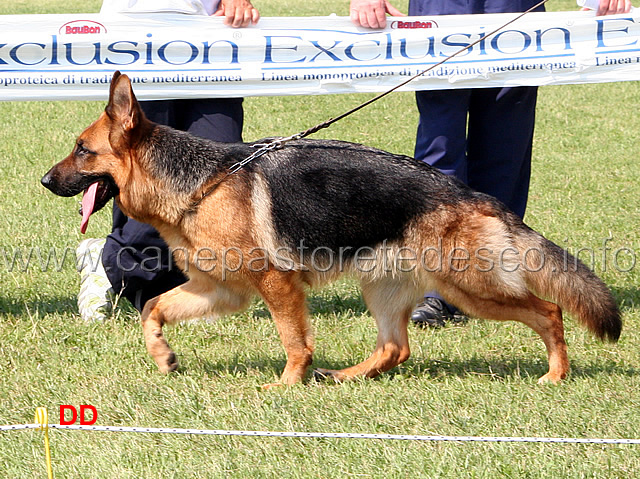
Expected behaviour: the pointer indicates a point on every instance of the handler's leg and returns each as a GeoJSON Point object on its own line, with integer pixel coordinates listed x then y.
{"type": "Point", "coordinates": [501, 124]}
{"type": "Point", "coordinates": [441, 141]}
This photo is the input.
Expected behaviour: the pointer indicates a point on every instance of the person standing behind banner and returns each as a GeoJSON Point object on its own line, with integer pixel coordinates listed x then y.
{"type": "Point", "coordinates": [133, 261]}
{"type": "Point", "coordinates": [482, 136]}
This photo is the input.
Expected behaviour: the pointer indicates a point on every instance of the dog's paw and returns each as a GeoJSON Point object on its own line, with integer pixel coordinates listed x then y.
{"type": "Point", "coordinates": [268, 386]}
{"type": "Point", "coordinates": [327, 374]}
{"type": "Point", "coordinates": [168, 365]}
{"type": "Point", "coordinates": [550, 379]}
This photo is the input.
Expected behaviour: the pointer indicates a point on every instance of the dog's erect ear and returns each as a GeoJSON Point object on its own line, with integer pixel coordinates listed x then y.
{"type": "Point", "coordinates": [123, 106]}
{"type": "Point", "coordinates": [114, 80]}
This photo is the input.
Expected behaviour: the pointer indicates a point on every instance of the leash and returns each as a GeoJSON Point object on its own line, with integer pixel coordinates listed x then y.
{"type": "Point", "coordinates": [279, 142]}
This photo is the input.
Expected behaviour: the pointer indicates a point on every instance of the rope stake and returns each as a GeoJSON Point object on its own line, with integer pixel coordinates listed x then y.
{"type": "Point", "coordinates": [42, 420]}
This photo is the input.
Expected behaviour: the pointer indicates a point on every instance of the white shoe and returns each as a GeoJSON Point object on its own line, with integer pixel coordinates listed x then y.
{"type": "Point", "coordinates": [96, 297]}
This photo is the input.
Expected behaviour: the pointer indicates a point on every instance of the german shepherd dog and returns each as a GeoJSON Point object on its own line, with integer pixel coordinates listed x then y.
{"type": "Point", "coordinates": [303, 214]}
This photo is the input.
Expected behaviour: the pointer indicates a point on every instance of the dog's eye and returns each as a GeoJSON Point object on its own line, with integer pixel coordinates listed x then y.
{"type": "Point", "coordinates": [81, 150]}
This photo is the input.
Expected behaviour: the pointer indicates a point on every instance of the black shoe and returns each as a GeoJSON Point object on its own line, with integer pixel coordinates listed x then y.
{"type": "Point", "coordinates": [434, 313]}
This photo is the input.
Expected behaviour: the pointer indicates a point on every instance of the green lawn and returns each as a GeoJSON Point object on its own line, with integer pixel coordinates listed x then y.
{"type": "Point", "coordinates": [477, 379]}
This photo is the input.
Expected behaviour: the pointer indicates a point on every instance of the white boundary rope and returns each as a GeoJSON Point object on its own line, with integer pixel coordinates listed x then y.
{"type": "Point", "coordinates": [325, 435]}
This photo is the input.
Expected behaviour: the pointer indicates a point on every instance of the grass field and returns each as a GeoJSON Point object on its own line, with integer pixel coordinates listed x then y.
{"type": "Point", "coordinates": [477, 379]}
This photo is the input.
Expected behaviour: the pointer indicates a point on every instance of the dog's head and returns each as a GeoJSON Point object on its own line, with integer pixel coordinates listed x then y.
{"type": "Point", "coordinates": [101, 159]}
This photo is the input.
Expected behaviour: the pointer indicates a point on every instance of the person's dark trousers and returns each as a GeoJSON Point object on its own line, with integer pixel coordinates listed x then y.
{"type": "Point", "coordinates": [461, 7]}
{"type": "Point", "coordinates": [136, 259]}
{"type": "Point", "coordinates": [498, 124]}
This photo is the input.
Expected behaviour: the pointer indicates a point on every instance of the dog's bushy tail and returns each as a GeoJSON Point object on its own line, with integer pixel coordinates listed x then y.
{"type": "Point", "coordinates": [553, 273]}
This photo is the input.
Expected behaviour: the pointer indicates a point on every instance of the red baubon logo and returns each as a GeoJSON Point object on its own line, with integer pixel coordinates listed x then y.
{"type": "Point", "coordinates": [82, 27]}
{"type": "Point", "coordinates": [67, 410]}
{"type": "Point", "coordinates": [413, 25]}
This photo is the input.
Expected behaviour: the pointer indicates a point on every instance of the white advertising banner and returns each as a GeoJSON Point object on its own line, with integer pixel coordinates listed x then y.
{"type": "Point", "coordinates": [66, 57]}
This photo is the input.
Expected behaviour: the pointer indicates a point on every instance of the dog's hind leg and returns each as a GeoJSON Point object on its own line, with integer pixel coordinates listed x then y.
{"type": "Point", "coordinates": [390, 302]}
{"type": "Point", "coordinates": [543, 317]}
{"type": "Point", "coordinates": [189, 300]}
{"type": "Point", "coordinates": [283, 293]}
{"type": "Point", "coordinates": [551, 329]}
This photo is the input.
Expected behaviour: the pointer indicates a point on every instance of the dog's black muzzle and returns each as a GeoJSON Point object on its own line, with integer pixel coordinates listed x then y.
{"type": "Point", "coordinates": [74, 184]}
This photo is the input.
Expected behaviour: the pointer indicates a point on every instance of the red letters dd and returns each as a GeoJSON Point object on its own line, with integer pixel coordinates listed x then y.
{"type": "Point", "coordinates": [74, 415]}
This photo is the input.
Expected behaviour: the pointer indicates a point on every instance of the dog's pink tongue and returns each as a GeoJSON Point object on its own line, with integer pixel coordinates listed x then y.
{"type": "Point", "coordinates": [88, 203]}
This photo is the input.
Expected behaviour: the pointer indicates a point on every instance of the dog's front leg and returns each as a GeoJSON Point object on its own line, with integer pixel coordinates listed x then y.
{"type": "Point", "coordinates": [198, 297]}
{"type": "Point", "coordinates": [157, 346]}
{"type": "Point", "coordinates": [283, 293]}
